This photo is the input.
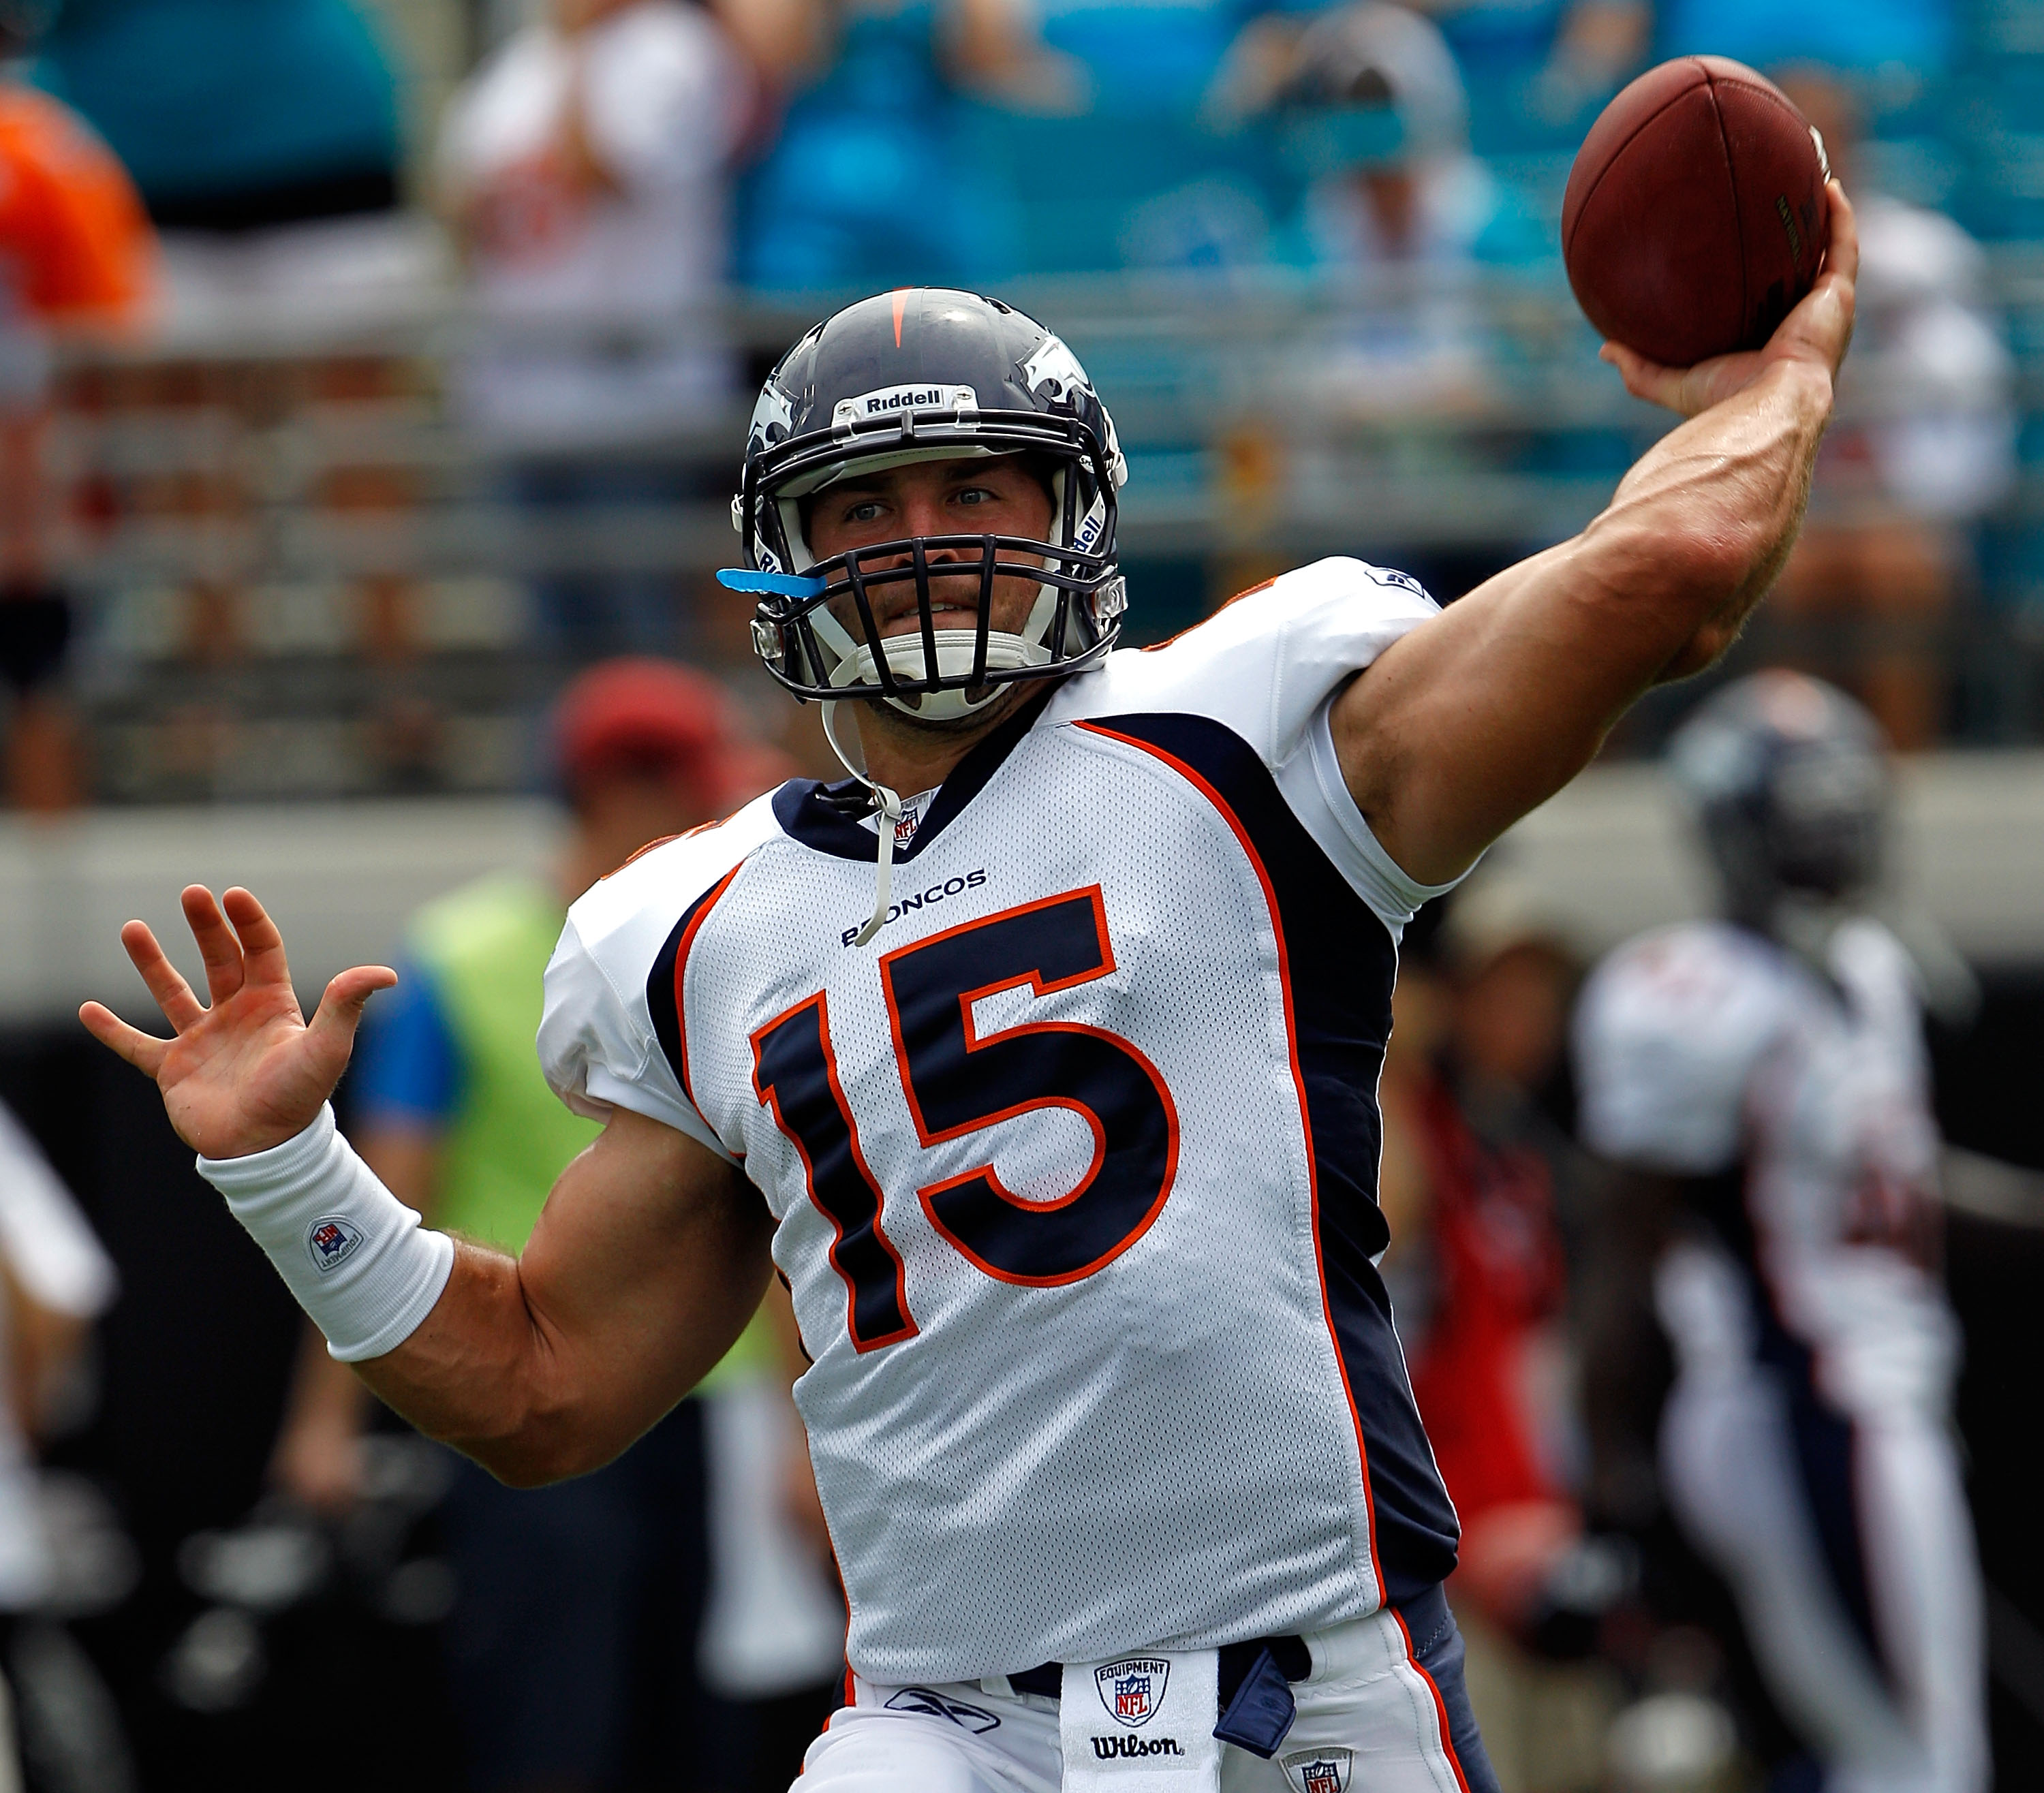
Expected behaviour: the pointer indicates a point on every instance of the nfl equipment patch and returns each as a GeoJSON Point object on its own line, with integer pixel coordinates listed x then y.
{"type": "Point", "coordinates": [1156, 1744]}
{"type": "Point", "coordinates": [1320, 1771]}
{"type": "Point", "coordinates": [1131, 1690]}
{"type": "Point", "coordinates": [331, 1240]}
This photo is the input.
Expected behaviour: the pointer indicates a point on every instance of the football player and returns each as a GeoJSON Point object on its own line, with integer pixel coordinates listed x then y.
{"type": "Point", "coordinates": [1763, 1078]}
{"type": "Point", "coordinates": [1039, 1057]}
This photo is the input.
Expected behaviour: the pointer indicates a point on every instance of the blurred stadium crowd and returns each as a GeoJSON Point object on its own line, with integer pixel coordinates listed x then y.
{"type": "Point", "coordinates": [372, 374]}
{"type": "Point", "coordinates": [405, 368]}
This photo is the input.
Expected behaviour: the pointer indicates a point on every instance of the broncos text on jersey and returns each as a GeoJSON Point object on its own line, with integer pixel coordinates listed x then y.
{"type": "Point", "coordinates": [1073, 1166]}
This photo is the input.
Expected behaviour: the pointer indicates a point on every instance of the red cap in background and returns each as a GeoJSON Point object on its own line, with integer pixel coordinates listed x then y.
{"type": "Point", "coordinates": [643, 717]}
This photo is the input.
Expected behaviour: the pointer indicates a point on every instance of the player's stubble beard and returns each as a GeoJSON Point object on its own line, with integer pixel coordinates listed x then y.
{"type": "Point", "coordinates": [959, 735]}
{"type": "Point", "coordinates": [986, 716]}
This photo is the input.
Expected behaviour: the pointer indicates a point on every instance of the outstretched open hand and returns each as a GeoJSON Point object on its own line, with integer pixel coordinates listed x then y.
{"type": "Point", "coordinates": [1818, 332]}
{"type": "Point", "coordinates": [248, 1072]}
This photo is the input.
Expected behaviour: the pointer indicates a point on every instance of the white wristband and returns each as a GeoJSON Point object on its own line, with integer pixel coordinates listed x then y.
{"type": "Point", "coordinates": [359, 1260]}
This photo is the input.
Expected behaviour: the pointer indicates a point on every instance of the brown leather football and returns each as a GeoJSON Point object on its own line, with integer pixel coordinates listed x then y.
{"type": "Point", "coordinates": [1695, 217]}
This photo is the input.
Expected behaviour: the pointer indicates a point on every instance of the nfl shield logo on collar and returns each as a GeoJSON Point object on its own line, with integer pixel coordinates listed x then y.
{"type": "Point", "coordinates": [332, 1242]}
{"type": "Point", "coordinates": [911, 820]}
{"type": "Point", "coordinates": [1320, 1771]}
{"type": "Point", "coordinates": [1131, 1690]}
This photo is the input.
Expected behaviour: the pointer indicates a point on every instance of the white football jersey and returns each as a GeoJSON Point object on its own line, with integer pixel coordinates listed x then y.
{"type": "Point", "coordinates": [1705, 1049]}
{"type": "Point", "coordinates": [1074, 1167]}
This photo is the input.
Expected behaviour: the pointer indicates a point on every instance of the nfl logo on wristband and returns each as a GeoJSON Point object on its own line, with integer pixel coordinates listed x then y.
{"type": "Point", "coordinates": [332, 1241]}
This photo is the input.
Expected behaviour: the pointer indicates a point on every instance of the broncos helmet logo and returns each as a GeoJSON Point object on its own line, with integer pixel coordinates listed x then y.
{"type": "Point", "coordinates": [773, 418]}
{"type": "Point", "coordinates": [1053, 372]}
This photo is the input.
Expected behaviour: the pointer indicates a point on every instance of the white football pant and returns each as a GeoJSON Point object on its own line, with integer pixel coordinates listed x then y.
{"type": "Point", "coordinates": [1374, 1715]}
{"type": "Point", "coordinates": [1736, 1482]}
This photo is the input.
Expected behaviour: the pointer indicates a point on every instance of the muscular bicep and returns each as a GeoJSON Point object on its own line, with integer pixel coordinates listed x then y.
{"type": "Point", "coordinates": [1484, 712]}
{"type": "Point", "coordinates": [647, 1260]}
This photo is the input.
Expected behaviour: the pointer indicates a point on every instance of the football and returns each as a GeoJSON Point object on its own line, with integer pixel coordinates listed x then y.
{"type": "Point", "coordinates": [1695, 216]}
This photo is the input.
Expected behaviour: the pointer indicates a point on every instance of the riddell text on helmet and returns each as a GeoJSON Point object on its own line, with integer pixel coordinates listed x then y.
{"type": "Point", "coordinates": [889, 399]}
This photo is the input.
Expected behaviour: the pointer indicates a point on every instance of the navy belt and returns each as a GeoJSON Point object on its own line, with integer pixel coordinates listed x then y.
{"type": "Point", "coordinates": [1256, 1704]}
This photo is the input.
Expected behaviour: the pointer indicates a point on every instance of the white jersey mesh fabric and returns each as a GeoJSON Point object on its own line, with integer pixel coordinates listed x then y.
{"type": "Point", "coordinates": [1157, 1447]}
{"type": "Point", "coordinates": [1167, 1435]}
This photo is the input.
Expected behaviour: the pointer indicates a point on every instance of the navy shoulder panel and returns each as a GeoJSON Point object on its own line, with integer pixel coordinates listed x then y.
{"type": "Point", "coordinates": [1340, 963]}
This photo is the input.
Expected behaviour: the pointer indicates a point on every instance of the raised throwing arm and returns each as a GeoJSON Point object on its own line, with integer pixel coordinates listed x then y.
{"type": "Point", "coordinates": [1468, 723]}
{"type": "Point", "coordinates": [647, 1261]}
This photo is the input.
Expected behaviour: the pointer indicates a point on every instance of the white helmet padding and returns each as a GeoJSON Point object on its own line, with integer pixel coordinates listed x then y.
{"type": "Point", "coordinates": [907, 659]}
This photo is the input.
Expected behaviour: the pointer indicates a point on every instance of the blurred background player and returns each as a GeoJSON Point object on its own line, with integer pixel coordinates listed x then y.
{"type": "Point", "coordinates": [1484, 1190]}
{"type": "Point", "coordinates": [1762, 1080]}
{"type": "Point", "coordinates": [584, 166]}
{"type": "Point", "coordinates": [54, 1281]}
{"type": "Point", "coordinates": [573, 1644]}
{"type": "Point", "coordinates": [76, 257]}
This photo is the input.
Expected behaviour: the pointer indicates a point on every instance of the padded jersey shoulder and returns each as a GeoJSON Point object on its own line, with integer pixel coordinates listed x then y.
{"type": "Point", "coordinates": [598, 1045]}
{"type": "Point", "coordinates": [1267, 660]}
{"type": "Point", "coordinates": [646, 894]}
{"type": "Point", "coordinates": [1671, 1031]}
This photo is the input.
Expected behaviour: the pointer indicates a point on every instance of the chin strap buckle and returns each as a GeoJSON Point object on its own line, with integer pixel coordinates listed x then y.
{"type": "Point", "coordinates": [889, 805]}
{"type": "Point", "coordinates": [883, 882]}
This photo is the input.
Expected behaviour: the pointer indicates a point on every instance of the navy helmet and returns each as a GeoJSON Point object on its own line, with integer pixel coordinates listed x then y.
{"type": "Point", "coordinates": [926, 373]}
{"type": "Point", "coordinates": [1789, 780]}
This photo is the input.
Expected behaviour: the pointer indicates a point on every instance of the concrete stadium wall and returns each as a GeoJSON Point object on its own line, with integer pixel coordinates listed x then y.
{"type": "Point", "coordinates": [340, 877]}
{"type": "Point", "coordinates": [1609, 856]}
{"type": "Point", "coordinates": [1612, 853]}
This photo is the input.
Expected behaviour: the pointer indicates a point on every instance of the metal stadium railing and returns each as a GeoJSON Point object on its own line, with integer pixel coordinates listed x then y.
{"type": "Point", "coordinates": [296, 573]}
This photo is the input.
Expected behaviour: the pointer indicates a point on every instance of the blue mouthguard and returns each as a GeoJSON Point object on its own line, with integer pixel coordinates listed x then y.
{"type": "Point", "coordinates": [770, 585]}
